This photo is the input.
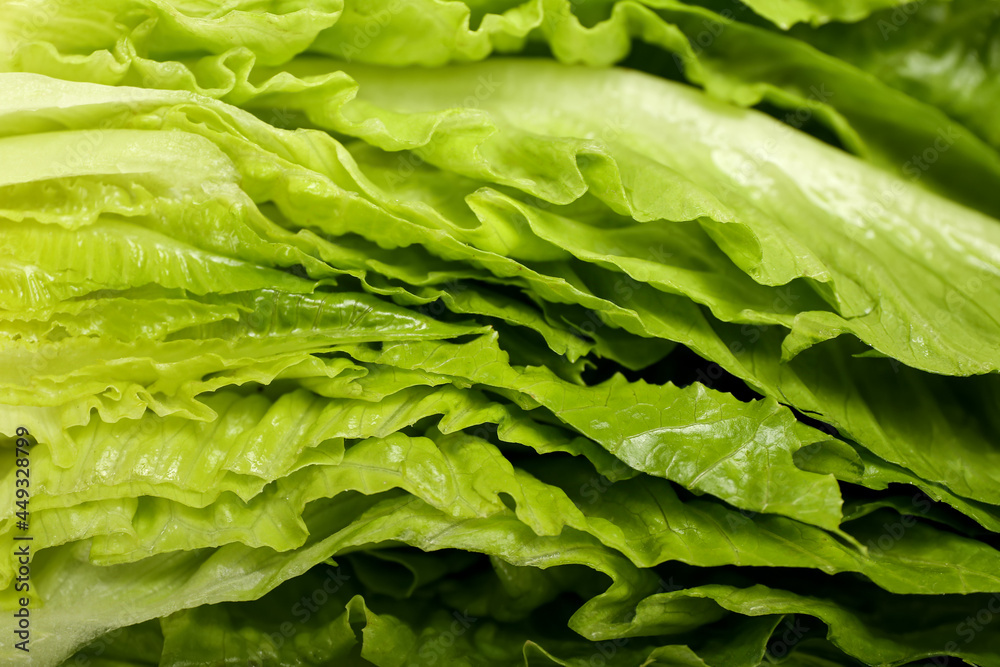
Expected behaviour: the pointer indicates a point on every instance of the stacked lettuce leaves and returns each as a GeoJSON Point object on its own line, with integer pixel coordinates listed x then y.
{"type": "Point", "coordinates": [428, 332]}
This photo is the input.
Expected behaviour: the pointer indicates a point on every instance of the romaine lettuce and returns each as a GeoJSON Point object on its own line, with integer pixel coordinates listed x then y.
{"type": "Point", "coordinates": [333, 334]}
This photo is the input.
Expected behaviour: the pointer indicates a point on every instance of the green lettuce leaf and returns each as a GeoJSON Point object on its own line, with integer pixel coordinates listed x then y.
{"type": "Point", "coordinates": [939, 54]}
